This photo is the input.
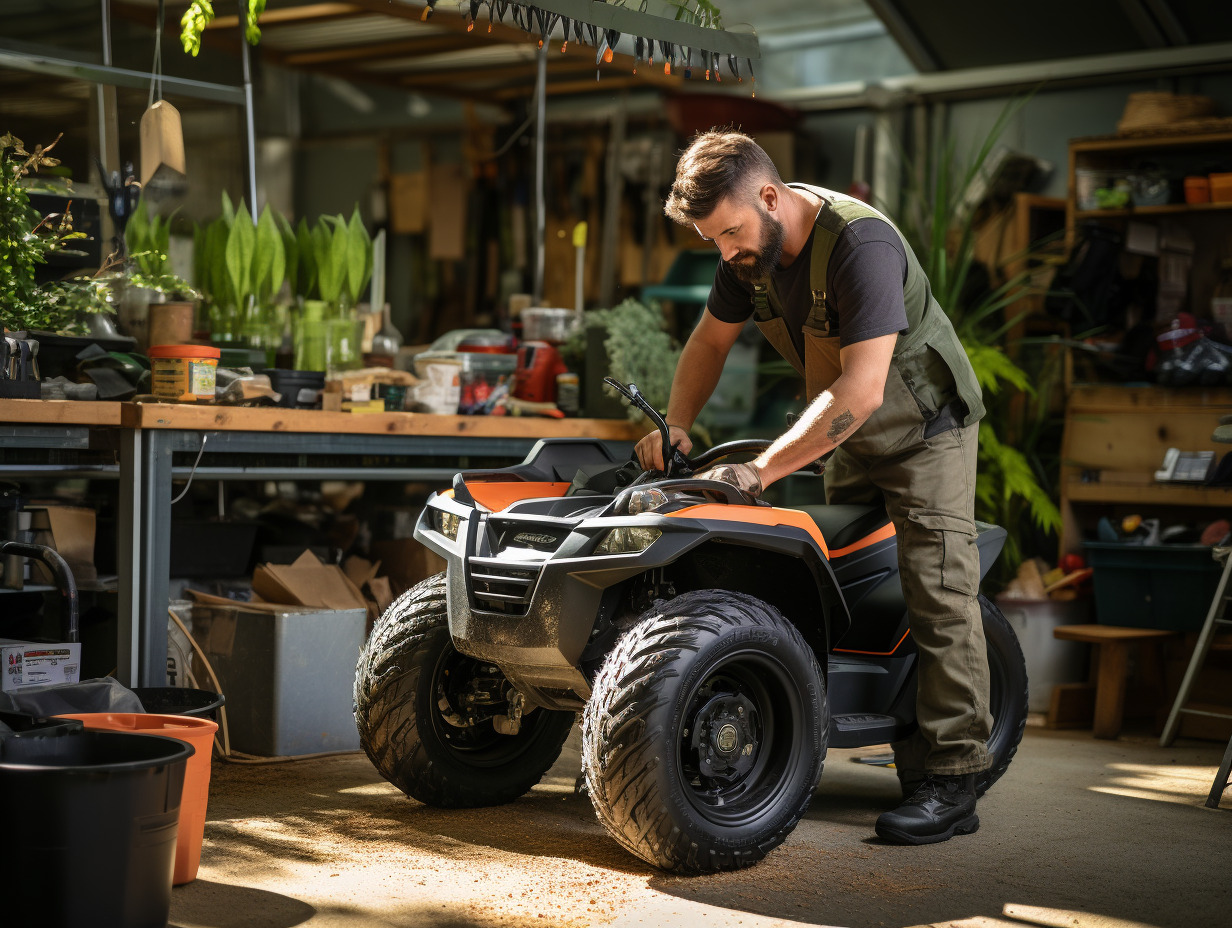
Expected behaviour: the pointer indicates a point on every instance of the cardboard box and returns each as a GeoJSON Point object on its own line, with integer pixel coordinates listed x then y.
{"type": "Point", "coordinates": [70, 531]}
{"type": "Point", "coordinates": [28, 663]}
{"type": "Point", "coordinates": [307, 582]}
{"type": "Point", "coordinates": [407, 562]}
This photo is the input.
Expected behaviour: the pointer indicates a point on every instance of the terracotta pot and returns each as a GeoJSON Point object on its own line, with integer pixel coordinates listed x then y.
{"type": "Point", "coordinates": [170, 323]}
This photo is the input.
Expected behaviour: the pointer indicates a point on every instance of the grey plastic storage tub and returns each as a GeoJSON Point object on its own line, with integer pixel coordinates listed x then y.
{"type": "Point", "coordinates": [289, 675]}
{"type": "Point", "coordinates": [95, 815]}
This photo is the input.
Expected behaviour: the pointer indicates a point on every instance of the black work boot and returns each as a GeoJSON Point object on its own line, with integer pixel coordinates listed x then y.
{"type": "Point", "coordinates": [941, 807]}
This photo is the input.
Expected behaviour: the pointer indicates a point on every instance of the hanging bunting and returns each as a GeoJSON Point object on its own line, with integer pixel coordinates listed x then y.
{"type": "Point", "coordinates": [541, 18]}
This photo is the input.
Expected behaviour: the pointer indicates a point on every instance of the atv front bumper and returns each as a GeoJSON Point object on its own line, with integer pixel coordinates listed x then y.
{"type": "Point", "coordinates": [525, 592]}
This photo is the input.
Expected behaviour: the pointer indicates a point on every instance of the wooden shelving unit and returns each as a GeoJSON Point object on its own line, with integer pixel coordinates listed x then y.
{"type": "Point", "coordinates": [1115, 439]}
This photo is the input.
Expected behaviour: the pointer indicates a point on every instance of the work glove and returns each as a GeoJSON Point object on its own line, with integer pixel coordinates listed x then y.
{"type": "Point", "coordinates": [745, 477]}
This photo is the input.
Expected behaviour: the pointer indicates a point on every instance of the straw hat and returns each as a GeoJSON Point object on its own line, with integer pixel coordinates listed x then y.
{"type": "Point", "coordinates": [1161, 108]}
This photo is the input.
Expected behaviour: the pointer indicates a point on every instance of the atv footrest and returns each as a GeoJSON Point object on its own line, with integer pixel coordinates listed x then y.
{"type": "Point", "coordinates": [855, 731]}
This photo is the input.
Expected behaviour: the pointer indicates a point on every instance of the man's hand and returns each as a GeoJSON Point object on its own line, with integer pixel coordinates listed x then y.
{"type": "Point", "coordinates": [650, 449]}
{"type": "Point", "coordinates": [746, 477]}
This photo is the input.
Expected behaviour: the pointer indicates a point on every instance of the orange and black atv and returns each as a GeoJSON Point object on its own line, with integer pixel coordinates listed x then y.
{"type": "Point", "coordinates": [715, 646]}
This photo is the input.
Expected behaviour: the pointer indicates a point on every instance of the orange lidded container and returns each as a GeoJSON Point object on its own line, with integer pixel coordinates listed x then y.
{"type": "Point", "coordinates": [1197, 190]}
{"type": "Point", "coordinates": [1221, 187]}
{"type": "Point", "coordinates": [184, 372]}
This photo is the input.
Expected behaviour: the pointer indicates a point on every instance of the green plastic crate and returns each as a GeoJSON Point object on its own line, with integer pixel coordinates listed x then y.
{"type": "Point", "coordinates": [1153, 586]}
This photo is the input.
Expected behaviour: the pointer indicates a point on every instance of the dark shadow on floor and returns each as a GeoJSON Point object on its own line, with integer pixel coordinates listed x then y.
{"type": "Point", "coordinates": [221, 905]}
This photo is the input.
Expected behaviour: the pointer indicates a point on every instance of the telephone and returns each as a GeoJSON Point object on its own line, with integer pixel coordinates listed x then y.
{"type": "Point", "coordinates": [1185, 466]}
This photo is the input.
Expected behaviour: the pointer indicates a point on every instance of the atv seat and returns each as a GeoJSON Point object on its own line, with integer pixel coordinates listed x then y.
{"type": "Point", "coordinates": [844, 525]}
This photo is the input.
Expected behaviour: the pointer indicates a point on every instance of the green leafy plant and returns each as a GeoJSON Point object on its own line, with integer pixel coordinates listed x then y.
{"type": "Point", "coordinates": [638, 348]}
{"type": "Point", "coordinates": [341, 259]}
{"type": "Point", "coordinates": [200, 14]}
{"type": "Point", "coordinates": [148, 239]}
{"type": "Point", "coordinates": [26, 238]}
{"type": "Point", "coordinates": [1012, 484]}
{"type": "Point", "coordinates": [238, 263]}
{"type": "Point", "coordinates": [701, 12]}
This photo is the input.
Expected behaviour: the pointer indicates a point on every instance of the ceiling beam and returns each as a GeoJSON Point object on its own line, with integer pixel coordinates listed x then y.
{"type": "Point", "coordinates": [905, 35]}
{"type": "Point", "coordinates": [1168, 22]}
{"type": "Point", "coordinates": [1143, 24]}
{"type": "Point", "coordinates": [560, 88]}
{"type": "Point", "coordinates": [472, 76]}
{"type": "Point", "coordinates": [378, 51]}
{"type": "Point", "coordinates": [1034, 77]}
{"type": "Point", "coordinates": [292, 15]}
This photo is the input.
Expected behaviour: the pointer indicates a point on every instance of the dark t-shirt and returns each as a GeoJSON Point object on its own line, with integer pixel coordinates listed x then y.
{"type": "Point", "coordinates": [864, 286]}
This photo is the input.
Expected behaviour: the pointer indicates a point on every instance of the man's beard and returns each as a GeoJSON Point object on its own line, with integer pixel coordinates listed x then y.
{"type": "Point", "coordinates": [766, 258]}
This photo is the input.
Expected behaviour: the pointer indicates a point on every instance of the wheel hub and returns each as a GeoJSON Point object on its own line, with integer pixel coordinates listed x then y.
{"type": "Point", "coordinates": [726, 736]}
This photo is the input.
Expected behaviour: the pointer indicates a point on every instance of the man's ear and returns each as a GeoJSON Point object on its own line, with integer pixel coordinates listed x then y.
{"type": "Point", "coordinates": [769, 196]}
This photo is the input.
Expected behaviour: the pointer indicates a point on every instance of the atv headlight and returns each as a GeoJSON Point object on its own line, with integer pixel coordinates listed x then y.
{"type": "Point", "coordinates": [628, 540]}
{"type": "Point", "coordinates": [448, 524]}
{"type": "Point", "coordinates": [646, 499]}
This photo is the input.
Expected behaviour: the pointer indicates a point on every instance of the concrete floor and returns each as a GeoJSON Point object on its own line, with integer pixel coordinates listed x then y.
{"type": "Point", "coordinates": [1102, 834]}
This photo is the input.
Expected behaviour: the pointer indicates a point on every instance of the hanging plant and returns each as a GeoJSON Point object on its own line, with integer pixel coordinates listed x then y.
{"type": "Point", "coordinates": [200, 14]}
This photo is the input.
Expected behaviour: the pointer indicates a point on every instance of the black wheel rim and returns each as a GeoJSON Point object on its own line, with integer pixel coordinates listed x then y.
{"type": "Point", "coordinates": [740, 739]}
{"type": "Point", "coordinates": [478, 744]}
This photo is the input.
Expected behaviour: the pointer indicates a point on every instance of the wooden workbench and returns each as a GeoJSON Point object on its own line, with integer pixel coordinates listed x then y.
{"type": "Point", "coordinates": [253, 443]}
{"type": "Point", "coordinates": [276, 419]}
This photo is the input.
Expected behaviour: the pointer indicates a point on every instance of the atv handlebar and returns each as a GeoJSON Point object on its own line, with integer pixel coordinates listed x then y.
{"type": "Point", "coordinates": [676, 463]}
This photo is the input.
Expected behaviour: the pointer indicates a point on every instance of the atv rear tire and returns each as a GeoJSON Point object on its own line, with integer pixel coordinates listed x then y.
{"type": "Point", "coordinates": [1007, 672]}
{"type": "Point", "coordinates": [399, 688]}
{"type": "Point", "coordinates": [704, 737]}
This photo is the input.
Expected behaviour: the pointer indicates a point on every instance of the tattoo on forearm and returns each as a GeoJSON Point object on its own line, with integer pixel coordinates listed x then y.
{"type": "Point", "coordinates": [839, 424]}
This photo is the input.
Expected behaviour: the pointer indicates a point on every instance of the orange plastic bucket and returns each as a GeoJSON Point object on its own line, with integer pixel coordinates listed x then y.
{"type": "Point", "coordinates": [200, 734]}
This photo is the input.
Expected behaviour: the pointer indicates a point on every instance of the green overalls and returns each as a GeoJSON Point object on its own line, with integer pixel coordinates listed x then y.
{"type": "Point", "coordinates": [918, 452]}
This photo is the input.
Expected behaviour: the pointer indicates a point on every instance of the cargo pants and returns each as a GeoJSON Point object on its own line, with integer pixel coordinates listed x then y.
{"type": "Point", "coordinates": [928, 485]}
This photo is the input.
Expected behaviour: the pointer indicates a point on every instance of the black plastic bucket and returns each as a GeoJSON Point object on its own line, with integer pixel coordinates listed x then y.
{"type": "Point", "coordinates": [94, 820]}
{"type": "Point", "coordinates": [174, 700]}
{"type": "Point", "coordinates": [24, 725]}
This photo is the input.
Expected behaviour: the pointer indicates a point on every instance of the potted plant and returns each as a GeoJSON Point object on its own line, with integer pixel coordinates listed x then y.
{"type": "Point", "coordinates": [241, 265]}
{"type": "Point", "coordinates": [333, 268]}
{"type": "Point", "coordinates": [26, 238]}
{"type": "Point", "coordinates": [637, 349]}
{"type": "Point", "coordinates": [168, 300]}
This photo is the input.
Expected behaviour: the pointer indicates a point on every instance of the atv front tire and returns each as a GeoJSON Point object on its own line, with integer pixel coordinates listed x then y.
{"type": "Point", "coordinates": [407, 683]}
{"type": "Point", "coordinates": [705, 734]}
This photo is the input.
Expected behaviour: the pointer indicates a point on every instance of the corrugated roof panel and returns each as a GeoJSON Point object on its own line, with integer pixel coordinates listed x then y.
{"type": "Point", "coordinates": [486, 55]}
{"type": "Point", "coordinates": [352, 31]}
{"type": "Point", "coordinates": [975, 33]}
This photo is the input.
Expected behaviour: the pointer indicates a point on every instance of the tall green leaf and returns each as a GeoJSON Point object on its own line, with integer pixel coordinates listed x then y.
{"type": "Point", "coordinates": [241, 241]}
{"type": "Point", "coordinates": [228, 211]}
{"type": "Point", "coordinates": [331, 253]}
{"type": "Point", "coordinates": [290, 249]}
{"type": "Point", "coordinates": [200, 233]}
{"type": "Point", "coordinates": [268, 259]}
{"type": "Point", "coordinates": [305, 246]}
{"type": "Point", "coordinates": [359, 257]}
{"type": "Point", "coordinates": [216, 270]}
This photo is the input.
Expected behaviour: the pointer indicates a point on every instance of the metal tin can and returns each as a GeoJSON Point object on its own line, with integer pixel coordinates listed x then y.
{"type": "Point", "coordinates": [568, 392]}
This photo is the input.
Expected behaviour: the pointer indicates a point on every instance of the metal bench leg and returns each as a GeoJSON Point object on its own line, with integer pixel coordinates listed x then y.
{"type": "Point", "coordinates": [1221, 778]}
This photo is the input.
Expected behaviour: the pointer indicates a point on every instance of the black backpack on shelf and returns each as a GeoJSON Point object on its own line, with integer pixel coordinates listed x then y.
{"type": "Point", "coordinates": [1089, 290]}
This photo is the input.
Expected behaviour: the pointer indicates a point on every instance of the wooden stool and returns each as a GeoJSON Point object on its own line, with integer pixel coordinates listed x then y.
{"type": "Point", "coordinates": [1109, 668]}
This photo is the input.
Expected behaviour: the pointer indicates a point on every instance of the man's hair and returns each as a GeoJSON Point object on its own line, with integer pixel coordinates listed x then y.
{"type": "Point", "coordinates": [717, 164]}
